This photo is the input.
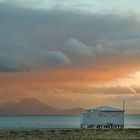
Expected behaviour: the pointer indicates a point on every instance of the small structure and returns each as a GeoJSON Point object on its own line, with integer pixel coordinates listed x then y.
{"type": "Point", "coordinates": [103, 117]}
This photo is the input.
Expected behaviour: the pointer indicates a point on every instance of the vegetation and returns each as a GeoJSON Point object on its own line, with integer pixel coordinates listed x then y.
{"type": "Point", "coordinates": [71, 134]}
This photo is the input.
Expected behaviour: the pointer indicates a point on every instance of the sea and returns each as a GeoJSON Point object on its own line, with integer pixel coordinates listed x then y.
{"type": "Point", "coordinates": [54, 121]}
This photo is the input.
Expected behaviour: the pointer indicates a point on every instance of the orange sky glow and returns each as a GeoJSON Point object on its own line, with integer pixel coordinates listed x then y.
{"type": "Point", "coordinates": [67, 87]}
{"type": "Point", "coordinates": [70, 53]}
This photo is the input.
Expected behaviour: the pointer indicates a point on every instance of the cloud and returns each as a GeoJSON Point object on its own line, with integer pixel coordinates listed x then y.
{"type": "Point", "coordinates": [16, 55]}
{"type": "Point", "coordinates": [63, 50]}
{"type": "Point", "coordinates": [90, 41]}
{"type": "Point", "coordinates": [99, 6]}
{"type": "Point", "coordinates": [2, 1]}
{"type": "Point", "coordinates": [76, 47]}
{"type": "Point", "coordinates": [114, 90]}
{"type": "Point", "coordinates": [56, 58]}
{"type": "Point", "coordinates": [25, 3]}
{"type": "Point", "coordinates": [107, 91]}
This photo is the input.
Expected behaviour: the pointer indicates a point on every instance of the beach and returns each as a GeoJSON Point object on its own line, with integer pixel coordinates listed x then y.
{"type": "Point", "coordinates": [70, 134]}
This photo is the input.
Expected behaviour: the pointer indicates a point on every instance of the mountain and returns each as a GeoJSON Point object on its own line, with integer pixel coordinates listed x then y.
{"type": "Point", "coordinates": [34, 106]}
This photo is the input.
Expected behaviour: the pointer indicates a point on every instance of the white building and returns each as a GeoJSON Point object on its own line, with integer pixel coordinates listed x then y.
{"type": "Point", "coordinates": [103, 117]}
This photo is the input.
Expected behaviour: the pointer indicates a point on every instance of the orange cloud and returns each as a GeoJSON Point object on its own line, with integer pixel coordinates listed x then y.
{"type": "Point", "coordinates": [67, 76]}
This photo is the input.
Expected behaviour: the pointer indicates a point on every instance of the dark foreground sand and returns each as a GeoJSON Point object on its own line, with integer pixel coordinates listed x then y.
{"type": "Point", "coordinates": [70, 134]}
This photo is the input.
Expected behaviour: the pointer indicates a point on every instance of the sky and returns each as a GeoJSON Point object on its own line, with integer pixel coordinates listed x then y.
{"type": "Point", "coordinates": [70, 53]}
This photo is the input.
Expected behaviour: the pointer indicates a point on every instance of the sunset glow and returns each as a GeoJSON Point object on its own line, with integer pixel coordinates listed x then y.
{"type": "Point", "coordinates": [66, 54]}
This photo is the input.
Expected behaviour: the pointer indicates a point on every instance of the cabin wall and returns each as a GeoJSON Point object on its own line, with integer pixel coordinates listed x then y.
{"type": "Point", "coordinates": [102, 118]}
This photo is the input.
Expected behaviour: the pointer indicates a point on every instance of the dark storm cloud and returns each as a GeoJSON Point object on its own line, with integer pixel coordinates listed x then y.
{"type": "Point", "coordinates": [27, 34]}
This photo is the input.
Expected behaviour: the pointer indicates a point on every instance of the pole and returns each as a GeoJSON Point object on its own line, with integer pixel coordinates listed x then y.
{"type": "Point", "coordinates": [123, 112]}
{"type": "Point", "coordinates": [123, 106]}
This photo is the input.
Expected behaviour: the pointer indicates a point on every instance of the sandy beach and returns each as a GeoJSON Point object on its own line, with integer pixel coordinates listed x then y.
{"type": "Point", "coordinates": [70, 134]}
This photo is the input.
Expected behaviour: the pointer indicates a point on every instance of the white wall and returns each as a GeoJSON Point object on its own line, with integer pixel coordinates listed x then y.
{"type": "Point", "coordinates": [102, 118]}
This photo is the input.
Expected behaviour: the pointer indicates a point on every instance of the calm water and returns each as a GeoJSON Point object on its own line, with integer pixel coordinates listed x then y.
{"type": "Point", "coordinates": [55, 121]}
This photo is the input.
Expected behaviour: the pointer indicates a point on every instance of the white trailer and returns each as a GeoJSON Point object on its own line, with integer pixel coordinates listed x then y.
{"type": "Point", "coordinates": [103, 117]}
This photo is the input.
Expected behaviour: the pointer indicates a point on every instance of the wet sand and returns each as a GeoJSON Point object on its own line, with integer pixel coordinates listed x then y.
{"type": "Point", "coordinates": [70, 134]}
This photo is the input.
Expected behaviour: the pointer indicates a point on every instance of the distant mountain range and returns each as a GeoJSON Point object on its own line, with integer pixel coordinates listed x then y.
{"type": "Point", "coordinates": [34, 106]}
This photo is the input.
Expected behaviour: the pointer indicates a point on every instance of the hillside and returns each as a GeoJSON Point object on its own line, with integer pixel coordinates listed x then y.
{"type": "Point", "coordinates": [34, 106]}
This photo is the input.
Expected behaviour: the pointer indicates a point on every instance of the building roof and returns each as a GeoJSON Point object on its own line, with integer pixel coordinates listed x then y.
{"type": "Point", "coordinates": [106, 108]}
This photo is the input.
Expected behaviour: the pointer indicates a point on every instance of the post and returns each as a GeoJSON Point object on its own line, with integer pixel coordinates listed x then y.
{"type": "Point", "coordinates": [123, 112]}
{"type": "Point", "coordinates": [123, 106]}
